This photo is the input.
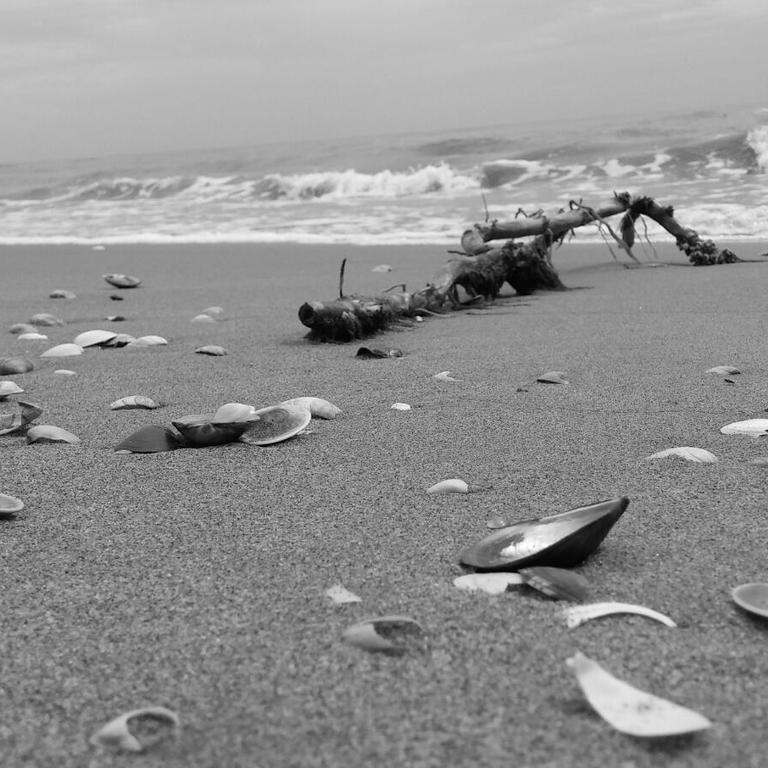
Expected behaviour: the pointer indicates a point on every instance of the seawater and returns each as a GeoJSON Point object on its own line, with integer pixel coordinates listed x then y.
{"type": "Point", "coordinates": [711, 166]}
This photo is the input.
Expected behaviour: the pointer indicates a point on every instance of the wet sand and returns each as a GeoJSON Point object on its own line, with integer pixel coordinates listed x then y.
{"type": "Point", "coordinates": [195, 579]}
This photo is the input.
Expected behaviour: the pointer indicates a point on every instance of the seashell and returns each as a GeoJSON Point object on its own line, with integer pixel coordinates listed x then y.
{"type": "Point", "coordinates": [698, 455]}
{"type": "Point", "coordinates": [752, 597]}
{"type": "Point", "coordinates": [133, 401]}
{"type": "Point", "coordinates": [114, 319]}
{"type": "Point", "coordinates": [65, 372]}
{"type": "Point", "coordinates": [22, 328]}
{"type": "Point", "coordinates": [444, 376]}
{"type": "Point", "coordinates": [212, 349]}
{"type": "Point", "coordinates": [552, 377]}
{"type": "Point", "coordinates": [454, 485]}
{"type": "Point", "coordinates": [153, 438]}
{"type": "Point", "coordinates": [578, 614]}
{"type": "Point", "coordinates": [559, 583]}
{"type": "Point", "coordinates": [8, 388]}
{"type": "Point", "coordinates": [10, 365]}
{"type": "Point", "coordinates": [120, 340]}
{"type": "Point", "coordinates": [400, 407]}
{"type": "Point", "coordinates": [116, 733]}
{"type": "Point", "coordinates": [61, 293]}
{"type": "Point", "coordinates": [203, 318]}
{"type": "Point", "coordinates": [369, 353]}
{"type": "Point", "coordinates": [212, 311]}
{"type": "Point", "coordinates": [122, 281]}
{"type": "Point", "coordinates": [47, 433]}
{"type": "Point", "coordinates": [116, 297]}
{"type": "Point", "coordinates": [723, 370]}
{"type": "Point", "coordinates": [29, 412]}
{"type": "Point", "coordinates": [319, 408]}
{"type": "Point", "coordinates": [341, 595]}
{"type": "Point", "coordinates": [495, 523]}
{"type": "Point", "coordinates": [9, 505]}
{"type": "Point", "coordinates": [198, 431]}
{"type": "Point", "coordinates": [230, 413]}
{"type": "Point", "coordinates": [147, 341]}
{"type": "Point", "coordinates": [94, 338]}
{"type": "Point", "coordinates": [560, 540]}
{"type": "Point", "coordinates": [381, 268]}
{"type": "Point", "coordinates": [392, 635]}
{"type": "Point", "coordinates": [63, 350]}
{"type": "Point", "coordinates": [32, 336]}
{"type": "Point", "coordinates": [752, 427]}
{"type": "Point", "coordinates": [275, 424]}
{"type": "Point", "coordinates": [492, 583]}
{"type": "Point", "coordinates": [45, 319]}
{"type": "Point", "coordinates": [629, 709]}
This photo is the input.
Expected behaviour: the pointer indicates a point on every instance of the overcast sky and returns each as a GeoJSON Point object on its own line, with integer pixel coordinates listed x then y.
{"type": "Point", "coordinates": [93, 77]}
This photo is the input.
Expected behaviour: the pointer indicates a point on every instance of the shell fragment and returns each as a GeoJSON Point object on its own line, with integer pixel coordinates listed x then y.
{"type": "Point", "coordinates": [454, 485]}
{"type": "Point", "coordinates": [697, 455]}
{"type": "Point", "coordinates": [492, 583]}
{"type": "Point", "coordinates": [340, 595]}
{"type": "Point", "coordinates": [116, 733]}
{"type": "Point", "coordinates": [581, 613]}
{"type": "Point", "coordinates": [133, 401]}
{"type": "Point", "coordinates": [319, 408]}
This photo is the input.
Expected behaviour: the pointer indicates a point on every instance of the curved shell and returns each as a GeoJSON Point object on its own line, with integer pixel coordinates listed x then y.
{"type": "Point", "coordinates": [65, 372]}
{"type": "Point", "coordinates": [560, 540]}
{"type": "Point", "coordinates": [203, 318]}
{"type": "Point", "coordinates": [10, 505]}
{"type": "Point", "coordinates": [552, 377]}
{"type": "Point", "coordinates": [63, 350]}
{"type": "Point", "coordinates": [9, 365]}
{"type": "Point", "coordinates": [116, 733]}
{"type": "Point", "coordinates": [752, 597]}
{"type": "Point", "coordinates": [133, 401]}
{"type": "Point", "coordinates": [231, 413]}
{"type": "Point", "coordinates": [32, 336]}
{"type": "Point", "coordinates": [198, 431]}
{"type": "Point", "coordinates": [122, 281]}
{"type": "Point", "coordinates": [147, 341]}
{"type": "Point", "coordinates": [391, 635]}
{"type": "Point", "coordinates": [578, 614]}
{"type": "Point", "coordinates": [211, 349]}
{"type": "Point", "coordinates": [212, 311]}
{"type": "Point", "coordinates": [153, 438]}
{"type": "Point", "coordinates": [689, 453]}
{"type": "Point", "coordinates": [61, 293]}
{"type": "Point", "coordinates": [454, 485]}
{"type": "Point", "coordinates": [275, 424]}
{"type": "Point", "coordinates": [319, 408]}
{"type": "Point", "coordinates": [45, 319]}
{"type": "Point", "coordinates": [8, 388]}
{"type": "Point", "coordinates": [47, 433]}
{"type": "Point", "coordinates": [94, 338]}
{"type": "Point", "coordinates": [752, 427]}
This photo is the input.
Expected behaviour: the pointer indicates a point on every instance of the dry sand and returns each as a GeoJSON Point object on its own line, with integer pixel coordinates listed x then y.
{"type": "Point", "coordinates": [195, 579]}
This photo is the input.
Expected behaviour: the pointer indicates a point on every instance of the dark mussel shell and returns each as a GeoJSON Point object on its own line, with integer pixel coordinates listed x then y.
{"type": "Point", "coordinates": [199, 432]}
{"type": "Point", "coordinates": [153, 438]}
{"type": "Point", "coordinates": [390, 635]}
{"type": "Point", "coordinates": [561, 540]}
{"type": "Point", "coordinates": [369, 352]}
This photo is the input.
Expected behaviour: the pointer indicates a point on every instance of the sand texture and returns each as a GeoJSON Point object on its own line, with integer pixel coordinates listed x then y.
{"type": "Point", "coordinates": [195, 579]}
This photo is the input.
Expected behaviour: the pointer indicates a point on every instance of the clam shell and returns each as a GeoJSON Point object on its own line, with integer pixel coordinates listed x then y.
{"type": "Point", "coordinates": [147, 341]}
{"type": "Point", "coordinates": [94, 338]}
{"type": "Point", "coordinates": [153, 438]}
{"type": "Point", "coordinates": [752, 427]}
{"type": "Point", "coordinates": [22, 328]}
{"type": "Point", "coordinates": [122, 281]}
{"type": "Point", "coordinates": [724, 370]}
{"type": "Point", "coordinates": [10, 365]}
{"type": "Point", "coordinates": [578, 614]}
{"type": "Point", "coordinates": [454, 485]}
{"type": "Point", "coordinates": [8, 388]}
{"type": "Point", "coordinates": [558, 583]}
{"type": "Point", "coordinates": [275, 424]}
{"type": "Point", "coordinates": [391, 635]}
{"type": "Point", "coordinates": [211, 349]}
{"type": "Point", "coordinates": [552, 377]}
{"type": "Point", "coordinates": [45, 319]}
{"type": "Point", "coordinates": [116, 733]}
{"type": "Point", "coordinates": [32, 336]}
{"type": "Point", "coordinates": [9, 505]}
{"type": "Point", "coordinates": [133, 401]}
{"type": "Point", "coordinates": [752, 597]}
{"type": "Point", "coordinates": [63, 350]}
{"type": "Point", "coordinates": [47, 433]}
{"type": "Point", "coordinates": [203, 318]}
{"type": "Point", "coordinates": [319, 408]}
{"type": "Point", "coordinates": [61, 293]}
{"type": "Point", "coordinates": [629, 709]}
{"type": "Point", "coordinates": [230, 413]}
{"type": "Point", "coordinates": [198, 431]}
{"type": "Point", "coordinates": [561, 540]}
{"type": "Point", "coordinates": [696, 455]}
{"type": "Point", "coordinates": [492, 583]}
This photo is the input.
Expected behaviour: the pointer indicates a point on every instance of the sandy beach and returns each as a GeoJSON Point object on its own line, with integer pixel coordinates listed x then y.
{"type": "Point", "coordinates": [195, 579]}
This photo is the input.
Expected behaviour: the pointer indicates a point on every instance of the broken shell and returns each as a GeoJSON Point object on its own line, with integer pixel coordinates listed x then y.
{"type": "Point", "coordinates": [8, 388]}
{"type": "Point", "coordinates": [558, 583]}
{"type": "Point", "coordinates": [133, 401]}
{"type": "Point", "coordinates": [198, 431]}
{"type": "Point", "coordinates": [230, 413]}
{"type": "Point", "coordinates": [22, 328]}
{"type": "Point", "coordinates": [9, 505]}
{"type": "Point", "coordinates": [63, 350]}
{"type": "Point", "coordinates": [29, 412]}
{"type": "Point", "coordinates": [203, 318]}
{"type": "Point", "coordinates": [752, 597]}
{"type": "Point", "coordinates": [752, 427]}
{"type": "Point", "coordinates": [116, 733]}
{"type": "Point", "coordinates": [560, 540]}
{"type": "Point", "coordinates": [724, 370]}
{"type": "Point", "coordinates": [47, 433]}
{"type": "Point", "coordinates": [578, 614]}
{"type": "Point", "coordinates": [122, 281]}
{"type": "Point", "coordinates": [45, 319]}
{"type": "Point", "coordinates": [444, 376]}
{"type": "Point", "coordinates": [697, 455]}
{"type": "Point", "coordinates": [10, 365]}
{"type": "Point", "coordinates": [552, 377]}
{"type": "Point", "coordinates": [454, 485]}
{"type": "Point", "coordinates": [120, 340]}
{"type": "Point", "coordinates": [153, 438]}
{"type": "Point", "coordinates": [400, 407]}
{"type": "Point", "coordinates": [629, 709]}
{"type": "Point", "coordinates": [211, 349]}
{"type": "Point", "coordinates": [392, 635]}
{"type": "Point", "coordinates": [147, 341]}
{"type": "Point", "coordinates": [341, 595]}
{"type": "Point", "coordinates": [32, 336]}
{"type": "Point", "coordinates": [275, 424]}
{"type": "Point", "coordinates": [61, 293]}
{"type": "Point", "coordinates": [492, 583]}
{"type": "Point", "coordinates": [319, 408]}
{"type": "Point", "coordinates": [94, 338]}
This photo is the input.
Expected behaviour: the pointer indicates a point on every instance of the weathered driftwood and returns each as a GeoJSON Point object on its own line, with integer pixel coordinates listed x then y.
{"type": "Point", "coordinates": [482, 269]}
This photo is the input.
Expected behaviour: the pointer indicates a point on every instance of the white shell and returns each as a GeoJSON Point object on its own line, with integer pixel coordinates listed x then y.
{"type": "Point", "coordinates": [341, 595]}
{"type": "Point", "coordinates": [724, 370]}
{"type": "Point", "coordinates": [65, 372]}
{"type": "Point", "coordinates": [381, 268]}
{"type": "Point", "coordinates": [211, 349]}
{"type": "Point", "coordinates": [93, 338]}
{"type": "Point", "coordinates": [454, 485]}
{"type": "Point", "coordinates": [444, 376]}
{"type": "Point", "coordinates": [115, 734]}
{"type": "Point", "coordinates": [9, 388]}
{"type": "Point", "coordinates": [147, 341]}
{"type": "Point", "coordinates": [552, 377]}
{"type": "Point", "coordinates": [319, 408]}
{"type": "Point", "coordinates": [32, 336]}
{"type": "Point", "coordinates": [578, 614]}
{"type": "Point", "coordinates": [47, 433]}
{"type": "Point", "coordinates": [63, 350]}
{"type": "Point", "coordinates": [400, 407]}
{"type": "Point", "coordinates": [203, 318]}
{"type": "Point", "coordinates": [61, 293]}
{"type": "Point", "coordinates": [133, 401]}
{"type": "Point", "coordinates": [753, 427]}
{"type": "Point", "coordinates": [698, 455]}
{"type": "Point", "coordinates": [233, 413]}
{"type": "Point", "coordinates": [492, 583]}
{"type": "Point", "coordinates": [629, 709]}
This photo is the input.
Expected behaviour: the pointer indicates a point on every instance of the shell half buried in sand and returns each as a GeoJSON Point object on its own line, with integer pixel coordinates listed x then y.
{"type": "Point", "coordinates": [154, 438]}
{"type": "Point", "coordinates": [122, 281]}
{"type": "Point", "coordinates": [751, 427]}
{"type": "Point", "coordinates": [391, 635]}
{"type": "Point", "coordinates": [9, 505]}
{"type": "Point", "coordinates": [95, 338]}
{"type": "Point", "coordinates": [561, 540]}
{"type": "Point", "coordinates": [319, 408]}
{"type": "Point", "coordinates": [198, 431]}
{"type": "Point", "coordinates": [133, 402]}
{"type": "Point", "coordinates": [578, 614]}
{"type": "Point", "coordinates": [629, 709]}
{"type": "Point", "coordinates": [11, 365]}
{"type": "Point", "coordinates": [152, 724]}
{"type": "Point", "coordinates": [275, 424]}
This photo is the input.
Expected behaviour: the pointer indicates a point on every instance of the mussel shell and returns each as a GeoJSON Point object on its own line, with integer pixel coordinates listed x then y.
{"type": "Point", "coordinates": [9, 365]}
{"type": "Point", "coordinates": [94, 338]}
{"type": "Point", "coordinates": [153, 438]}
{"type": "Point", "coordinates": [275, 424]}
{"type": "Point", "coordinates": [122, 281]}
{"type": "Point", "coordinates": [561, 540]}
{"type": "Point", "coordinates": [9, 505]}
{"type": "Point", "coordinates": [200, 432]}
{"type": "Point", "coordinates": [558, 583]}
{"type": "Point", "coordinates": [391, 635]}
